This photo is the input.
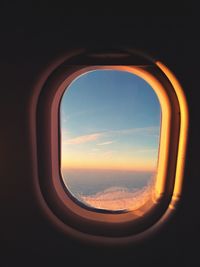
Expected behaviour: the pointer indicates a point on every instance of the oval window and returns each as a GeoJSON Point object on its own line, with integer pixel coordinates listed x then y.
{"type": "Point", "coordinates": [110, 133]}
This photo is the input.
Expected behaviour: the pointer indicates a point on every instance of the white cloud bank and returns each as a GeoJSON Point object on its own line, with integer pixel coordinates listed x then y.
{"type": "Point", "coordinates": [118, 198]}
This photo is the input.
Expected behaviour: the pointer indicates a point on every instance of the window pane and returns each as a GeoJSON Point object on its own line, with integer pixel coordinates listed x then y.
{"type": "Point", "coordinates": [110, 131]}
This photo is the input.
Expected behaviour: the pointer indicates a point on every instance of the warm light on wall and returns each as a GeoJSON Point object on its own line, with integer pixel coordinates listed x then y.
{"type": "Point", "coordinates": [68, 214]}
{"type": "Point", "coordinates": [184, 119]}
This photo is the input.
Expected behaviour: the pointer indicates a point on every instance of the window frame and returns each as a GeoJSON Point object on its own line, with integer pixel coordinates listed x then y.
{"type": "Point", "coordinates": [66, 209]}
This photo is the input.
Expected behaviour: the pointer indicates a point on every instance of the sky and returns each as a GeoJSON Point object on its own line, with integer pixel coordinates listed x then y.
{"type": "Point", "coordinates": [109, 120]}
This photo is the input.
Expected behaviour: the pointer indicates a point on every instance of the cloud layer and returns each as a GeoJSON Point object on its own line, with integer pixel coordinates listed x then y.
{"type": "Point", "coordinates": [105, 143]}
{"type": "Point", "coordinates": [82, 139]}
{"type": "Point", "coordinates": [118, 198]}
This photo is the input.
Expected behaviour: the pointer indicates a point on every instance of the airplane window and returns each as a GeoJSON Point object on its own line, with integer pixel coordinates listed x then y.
{"type": "Point", "coordinates": [110, 124]}
{"type": "Point", "coordinates": [111, 145]}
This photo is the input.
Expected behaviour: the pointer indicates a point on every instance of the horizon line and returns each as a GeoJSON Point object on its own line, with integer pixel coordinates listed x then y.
{"type": "Point", "coordinates": [108, 169]}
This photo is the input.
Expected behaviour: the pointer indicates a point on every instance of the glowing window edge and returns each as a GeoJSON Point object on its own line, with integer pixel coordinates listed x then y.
{"type": "Point", "coordinates": [57, 220]}
{"type": "Point", "coordinates": [164, 137]}
{"type": "Point", "coordinates": [183, 133]}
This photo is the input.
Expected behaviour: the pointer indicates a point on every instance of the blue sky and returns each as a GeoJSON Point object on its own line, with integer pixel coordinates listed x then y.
{"type": "Point", "coordinates": [109, 119]}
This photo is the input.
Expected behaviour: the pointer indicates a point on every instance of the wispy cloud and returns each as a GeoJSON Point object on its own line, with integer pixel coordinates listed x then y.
{"type": "Point", "coordinates": [108, 153]}
{"type": "Point", "coordinates": [74, 114]}
{"type": "Point", "coordinates": [106, 143]}
{"type": "Point", "coordinates": [148, 150]}
{"type": "Point", "coordinates": [143, 130]}
{"type": "Point", "coordinates": [96, 149]}
{"type": "Point", "coordinates": [82, 139]}
{"type": "Point", "coordinates": [154, 131]}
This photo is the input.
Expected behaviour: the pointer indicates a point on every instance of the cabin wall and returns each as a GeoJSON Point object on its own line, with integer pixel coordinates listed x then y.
{"type": "Point", "coordinates": [26, 51]}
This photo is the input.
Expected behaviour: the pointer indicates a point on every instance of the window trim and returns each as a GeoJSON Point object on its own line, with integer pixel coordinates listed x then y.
{"type": "Point", "coordinates": [118, 225]}
{"type": "Point", "coordinates": [183, 133]}
{"type": "Point", "coordinates": [164, 143]}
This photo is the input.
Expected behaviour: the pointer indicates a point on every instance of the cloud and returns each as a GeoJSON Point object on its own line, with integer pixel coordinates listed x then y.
{"type": "Point", "coordinates": [152, 130]}
{"type": "Point", "coordinates": [147, 150]}
{"type": "Point", "coordinates": [118, 198]}
{"type": "Point", "coordinates": [108, 153]}
{"type": "Point", "coordinates": [82, 139]}
{"type": "Point", "coordinates": [106, 143]}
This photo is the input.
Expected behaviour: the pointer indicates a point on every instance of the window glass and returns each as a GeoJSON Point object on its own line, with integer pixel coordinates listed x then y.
{"type": "Point", "coordinates": [110, 131]}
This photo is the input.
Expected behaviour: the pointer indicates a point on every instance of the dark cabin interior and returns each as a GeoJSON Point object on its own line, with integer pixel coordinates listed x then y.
{"type": "Point", "coordinates": [30, 41]}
